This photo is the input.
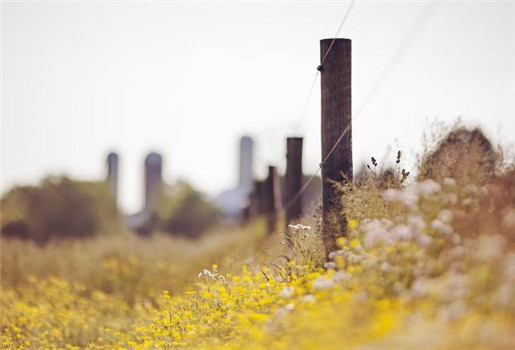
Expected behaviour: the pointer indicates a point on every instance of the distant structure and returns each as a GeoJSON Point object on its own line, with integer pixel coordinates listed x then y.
{"type": "Point", "coordinates": [234, 202]}
{"type": "Point", "coordinates": [246, 160]}
{"type": "Point", "coordinates": [112, 174]}
{"type": "Point", "coordinates": [153, 179]}
{"type": "Point", "coordinates": [143, 221]}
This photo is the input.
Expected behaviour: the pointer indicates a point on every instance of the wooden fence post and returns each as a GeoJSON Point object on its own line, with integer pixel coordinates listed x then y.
{"type": "Point", "coordinates": [336, 121]}
{"type": "Point", "coordinates": [293, 183]}
{"type": "Point", "coordinates": [270, 198]}
{"type": "Point", "coordinates": [255, 199]}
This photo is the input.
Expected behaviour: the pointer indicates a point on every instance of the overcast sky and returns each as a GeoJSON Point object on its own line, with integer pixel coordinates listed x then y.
{"type": "Point", "coordinates": [80, 79]}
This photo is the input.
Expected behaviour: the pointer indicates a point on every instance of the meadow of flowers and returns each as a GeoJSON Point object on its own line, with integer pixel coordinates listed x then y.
{"type": "Point", "coordinates": [428, 265]}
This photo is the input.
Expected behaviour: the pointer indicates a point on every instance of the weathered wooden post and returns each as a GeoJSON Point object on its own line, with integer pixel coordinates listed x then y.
{"type": "Point", "coordinates": [255, 199]}
{"type": "Point", "coordinates": [336, 121]}
{"type": "Point", "coordinates": [293, 180]}
{"type": "Point", "coordinates": [112, 174]}
{"type": "Point", "coordinates": [270, 198]}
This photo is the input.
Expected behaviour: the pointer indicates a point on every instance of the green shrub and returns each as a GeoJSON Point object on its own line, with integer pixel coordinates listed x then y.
{"type": "Point", "coordinates": [58, 208]}
{"type": "Point", "coordinates": [185, 211]}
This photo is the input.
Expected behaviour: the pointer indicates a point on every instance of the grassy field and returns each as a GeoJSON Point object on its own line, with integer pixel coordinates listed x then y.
{"type": "Point", "coordinates": [427, 264]}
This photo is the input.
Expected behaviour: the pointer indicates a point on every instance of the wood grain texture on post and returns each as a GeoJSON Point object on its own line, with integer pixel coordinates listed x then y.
{"type": "Point", "coordinates": [270, 199]}
{"type": "Point", "coordinates": [336, 120]}
{"type": "Point", "coordinates": [293, 180]}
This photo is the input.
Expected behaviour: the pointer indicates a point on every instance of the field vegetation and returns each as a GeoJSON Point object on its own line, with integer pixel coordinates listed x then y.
{"type": "Point", "coordinates": [428, 263]}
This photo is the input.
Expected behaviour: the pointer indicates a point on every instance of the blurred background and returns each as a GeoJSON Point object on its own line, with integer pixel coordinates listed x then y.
{"type": "Point", "coordinates": [188, 80]}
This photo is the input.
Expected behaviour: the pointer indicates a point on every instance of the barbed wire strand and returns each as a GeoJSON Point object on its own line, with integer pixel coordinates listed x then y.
{"type": "Point", "coordinates": [339, 29]}
{"type": "Point", "coordinates": [413, 30]}
{"type": "Point", "coordinates": [317, 74]}
{"type": "Point", "coordinates": [306, 104]}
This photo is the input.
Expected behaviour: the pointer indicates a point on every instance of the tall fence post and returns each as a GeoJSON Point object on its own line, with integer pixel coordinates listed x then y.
{"type": "Point", "coordinates": [270, 198]}
{"type": "Point", "coordinates": [293, 198]}
{"type": "Point", "coordinates": [336, 121]}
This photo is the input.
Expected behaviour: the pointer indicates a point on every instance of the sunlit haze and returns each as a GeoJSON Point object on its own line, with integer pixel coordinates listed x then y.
{"type": "Point", "coordinates": [81, 79]}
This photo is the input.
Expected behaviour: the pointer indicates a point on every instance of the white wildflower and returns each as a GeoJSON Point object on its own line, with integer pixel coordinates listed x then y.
{"type": "Point", "coordinates": [375, 236]}
{"type": "Point", "coordinates": [428, 187]}
{"type": "Point", "coordinates": [334, 254]}
{"type": "Point", "coordinates": [330, 265]}
{"type": "Point", "coordinates": [340, 276]}
{"type": "Point", "coordinates": [445, 216]}
{"type": "Point", "coordinates": [410, 198]}
{"type": "Point", "coordinates": [424, 240]}
{"type": "Point", "coordinates": [417, 221]}
{"type": "Point", "coordinates": [206, 274]}
{"type": "Point", "coordinates": [386, 223]}
{"type": "Point", "coordinates": [441, 227]}
{"type": "Point", "coordinates": [287, 292]}
{"type": "Point", "coordinates": [451, 198]}
{"type": "Point", "coordinates": [371, 224]}
{"type": "Point", "coordinates": [407, 197]}
{"type": "Point", "coordinates": [299, 227]}
{"type": "Point", "coordinates": [392, 195]}
{"type": "Point", "coordinates": [322, 282]}
{"type": "Point", "coordinates": [401, 233]}
{"type": "Point", "coordinates": [308, 298]}
{"type": "Point", "coordinates": [290, 307]}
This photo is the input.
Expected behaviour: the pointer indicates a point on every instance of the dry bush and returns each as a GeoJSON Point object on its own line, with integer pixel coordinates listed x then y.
{"type": "Point", "coordinates": [489, 209]}
{"type": "Point", "coordinates": [464, 155]}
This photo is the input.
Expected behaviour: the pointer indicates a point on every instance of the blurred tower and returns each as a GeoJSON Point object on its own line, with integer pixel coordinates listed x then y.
{"type": "Point", "coordinates": [153, 179]}
{"type": "Point", "coordinates": [112, 174]}
{"type": "Point", "coordinates": [246, 163]}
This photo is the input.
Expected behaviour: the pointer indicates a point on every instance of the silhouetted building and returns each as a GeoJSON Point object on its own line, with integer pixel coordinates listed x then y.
{"type": "Point", "coordinates": [233, 202]}
{"type": "Point", "coordinates": [153, 179]}
{"type": "Point", "coordinates": [112, 174]}
{"type": "Point", "coordinates": [144, 222]}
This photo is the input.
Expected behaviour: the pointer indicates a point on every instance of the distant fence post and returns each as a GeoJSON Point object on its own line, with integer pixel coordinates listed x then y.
{"type": "Point", "coordinates": [270, 198]}
{"type": "Point", "coordinates": [336, 120]}
{"type": "Point", "coordinates": [256, 205]}
{"type": "Point", "coordinates": [293, 180]}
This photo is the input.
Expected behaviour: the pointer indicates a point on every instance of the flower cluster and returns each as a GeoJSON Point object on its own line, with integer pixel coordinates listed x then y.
{"type": "Point", "coordinates": [394, 281]}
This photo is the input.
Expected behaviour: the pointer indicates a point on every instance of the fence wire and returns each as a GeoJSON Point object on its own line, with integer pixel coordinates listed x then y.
{"type": "Point", "coordinates": [414, 29]}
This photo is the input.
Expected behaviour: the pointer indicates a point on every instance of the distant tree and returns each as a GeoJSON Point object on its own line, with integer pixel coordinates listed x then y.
{"type": "Point", "coordinates": [58, 208]}
{"type": "Point", "coordinates": [185, 211]}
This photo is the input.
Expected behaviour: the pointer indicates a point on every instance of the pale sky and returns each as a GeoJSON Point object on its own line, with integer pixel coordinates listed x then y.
{"type": "Point", "coordinates": [80, 79]}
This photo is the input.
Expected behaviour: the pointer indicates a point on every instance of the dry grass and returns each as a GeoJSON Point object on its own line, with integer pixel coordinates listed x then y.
{"type": "Point", "coordinates": [130, 265]}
